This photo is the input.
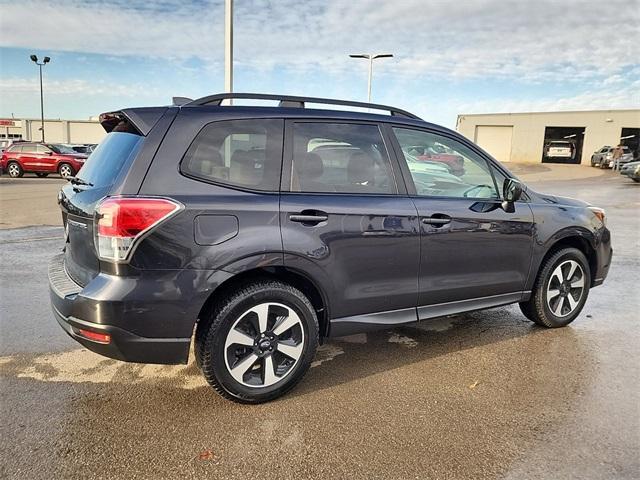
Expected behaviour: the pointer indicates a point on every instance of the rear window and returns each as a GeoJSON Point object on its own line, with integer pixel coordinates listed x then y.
{"type": "Point", "coordinates": [107, 160]}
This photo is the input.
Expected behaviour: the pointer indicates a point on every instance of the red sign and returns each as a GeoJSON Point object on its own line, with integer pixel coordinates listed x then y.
{"type": "Point", "coordinates": [7, 123]}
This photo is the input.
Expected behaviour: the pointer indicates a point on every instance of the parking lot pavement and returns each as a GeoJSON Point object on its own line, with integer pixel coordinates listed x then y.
{"type": "Point", "coordinates": [29, 201]}
{"type": "Point", "coordinates": [481, 395]}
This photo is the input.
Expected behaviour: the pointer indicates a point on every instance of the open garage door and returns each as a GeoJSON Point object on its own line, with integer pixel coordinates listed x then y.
{"type": "Point", "coordinates": [630, 137]}
{"type": "Point", "coordinates": [563, 144]}
{"type": "Point", "coordinates": [496, 140]}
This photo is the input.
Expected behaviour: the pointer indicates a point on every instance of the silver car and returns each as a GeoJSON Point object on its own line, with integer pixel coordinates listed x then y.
{"type": "Point", "coordinates": [603, 158]}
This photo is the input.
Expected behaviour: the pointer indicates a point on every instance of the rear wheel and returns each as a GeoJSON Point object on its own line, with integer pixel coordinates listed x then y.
{"type": "Point", "coordinates": [258, 342]}
{"type": "Point", "coordinates": [14, 170]}
{"type": "Point", "coordinates": [65, 170]}
{"type": "Point", "coordinates": [561, 289]}
{"type": "Point", "coordinates": [41, 174]}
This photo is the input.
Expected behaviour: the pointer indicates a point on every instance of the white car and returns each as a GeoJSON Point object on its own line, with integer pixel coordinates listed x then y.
{"type": "Point", "coordinates": [560, 149]}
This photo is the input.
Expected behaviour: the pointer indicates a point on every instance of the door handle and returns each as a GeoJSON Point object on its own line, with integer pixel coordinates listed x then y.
{"type": "Point", "coordinates": [308, 218]}
{"type": "Point", "coordinates": [437, 220]}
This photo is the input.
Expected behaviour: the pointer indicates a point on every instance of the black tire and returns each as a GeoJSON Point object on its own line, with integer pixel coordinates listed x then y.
{"type": "Point", "coordinates": [212, 332]}
{"type": "Point", "coordinates": [65, 170]}
{"type": "Point", "coordinates": [636, 180]}
{"type": "Point", "coordinates": [14, 170]}
{"type": "Point", "coordinates": [41, 174]}
{"type": "Point", "coordinates": [537, 308]}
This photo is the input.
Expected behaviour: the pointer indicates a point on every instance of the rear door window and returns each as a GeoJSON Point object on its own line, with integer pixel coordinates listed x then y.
{"type": "Point", "coordinates": [29, 149]}
{"type": "Point", "coordinates": [241, 153]}
{"type": "Point", "coordinates": [340, 158]}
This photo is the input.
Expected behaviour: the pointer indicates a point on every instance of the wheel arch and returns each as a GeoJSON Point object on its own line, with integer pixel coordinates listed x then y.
{"type": "Point", "coordinates": [286, 275]}
{"type": "Point", "coordinates": [580, 240]}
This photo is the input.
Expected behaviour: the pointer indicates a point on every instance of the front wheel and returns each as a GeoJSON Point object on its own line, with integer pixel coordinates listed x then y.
{"type": "Point", "coordinates": [258, 342]}
{"type": "Point", "coordinates": [561, 289]}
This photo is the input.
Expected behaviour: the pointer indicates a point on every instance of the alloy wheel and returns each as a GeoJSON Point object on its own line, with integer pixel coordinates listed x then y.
{"type": "Point", "coordinates": [264, 345]}
{"type": "Point", "coordinates": [565, 288]}
{"type": "Point", "coordinates": [65, 171]}
{"type": "Point", "coordinates": [14, 170]}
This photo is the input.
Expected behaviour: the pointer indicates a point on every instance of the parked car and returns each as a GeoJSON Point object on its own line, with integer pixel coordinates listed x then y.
{"type": "Point", "coordinates": [560, 149]}
{"type": "Point", "coordinates": [603, 158]}
{"type": "Point", "coordinates": [41, 159]}
{"type": "Point", "coordinates": [631, 170]}
{"type": "Point", "coordinates": [84, 148]}
{"type": "Point", "coordinates": [228, 221]}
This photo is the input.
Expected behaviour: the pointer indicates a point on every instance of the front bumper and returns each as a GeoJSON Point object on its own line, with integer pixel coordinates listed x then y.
{"type": "Point", "coordinates": [129, 310]}
{"type": "Point", "coordinates": [604, 254]}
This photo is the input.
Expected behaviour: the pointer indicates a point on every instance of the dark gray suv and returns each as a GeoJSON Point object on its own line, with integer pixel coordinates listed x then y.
{"type": "Point", "coordinates": [259, 231]}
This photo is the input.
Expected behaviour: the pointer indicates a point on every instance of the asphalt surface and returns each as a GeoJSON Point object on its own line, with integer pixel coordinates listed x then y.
{"type": "Point", "coordinates": [482, 395]}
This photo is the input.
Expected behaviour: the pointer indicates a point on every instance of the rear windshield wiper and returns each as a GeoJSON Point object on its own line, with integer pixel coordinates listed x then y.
{"type": "Point", "coordinates": [79, 181]}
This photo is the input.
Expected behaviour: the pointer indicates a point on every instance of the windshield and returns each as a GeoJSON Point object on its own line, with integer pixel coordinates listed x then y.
{"type": "Point", "coordinates": [109, 157]}
{"type": "Point", "coordinates": [58, 148]}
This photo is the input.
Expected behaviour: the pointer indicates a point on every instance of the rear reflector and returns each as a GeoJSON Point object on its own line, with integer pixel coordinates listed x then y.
{"type": "Point", "coordinates": [95, 336]}
{"type": "Point", "coordinates": [120, 221]}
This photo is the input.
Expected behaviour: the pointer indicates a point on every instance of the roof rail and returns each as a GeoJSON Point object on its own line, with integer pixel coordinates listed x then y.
{"type": "Point", "coordinates": [298, 102]}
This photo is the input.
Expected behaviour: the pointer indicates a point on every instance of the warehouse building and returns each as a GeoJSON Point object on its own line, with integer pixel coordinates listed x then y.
{"type": "Point", "coordinates": [526, 137]}
{"type": "Point", "coordinates": [55, 131]}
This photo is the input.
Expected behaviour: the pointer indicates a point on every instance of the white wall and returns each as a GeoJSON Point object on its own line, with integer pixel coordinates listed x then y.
{"type": "Point", "coordinates": [602, 127]}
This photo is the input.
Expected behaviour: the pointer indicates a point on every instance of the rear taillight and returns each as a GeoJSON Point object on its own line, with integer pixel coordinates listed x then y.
{"type": "Point", "coordinates": [121, 221]}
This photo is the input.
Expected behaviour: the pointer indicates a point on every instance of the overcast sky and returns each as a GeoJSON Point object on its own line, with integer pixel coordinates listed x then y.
{"type": "Point", "coordinates": [451, 57]}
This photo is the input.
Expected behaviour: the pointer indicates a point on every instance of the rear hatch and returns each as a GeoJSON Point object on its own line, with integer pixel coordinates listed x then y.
{"type": "Point", "coordinates": [559, 149]}
{"type": "Point", "coordinates": [99, 178]}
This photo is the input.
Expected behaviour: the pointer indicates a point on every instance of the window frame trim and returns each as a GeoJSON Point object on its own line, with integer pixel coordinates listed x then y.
{"type": "Point", "coordinates": [287, 163]}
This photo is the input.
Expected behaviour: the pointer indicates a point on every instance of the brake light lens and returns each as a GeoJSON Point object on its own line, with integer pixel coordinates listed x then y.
{"type": "Point", "coordinates": [121, 221]}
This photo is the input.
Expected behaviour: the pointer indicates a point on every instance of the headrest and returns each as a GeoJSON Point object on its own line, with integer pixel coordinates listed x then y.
{"type": "Point", "coordinates": [360, 168]}
{"type": "Point", "coordinates": [311, 166]}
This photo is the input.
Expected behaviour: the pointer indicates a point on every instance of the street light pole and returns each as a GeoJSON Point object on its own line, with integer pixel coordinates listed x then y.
{"type": "Point", "coordinates": [228, 47]}
{"type": "Point", "coordinates": [371, 58]}
{"type": "Point", "coordinates": [45, 60]}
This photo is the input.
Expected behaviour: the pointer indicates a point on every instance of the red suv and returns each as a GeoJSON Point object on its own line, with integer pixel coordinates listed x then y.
{"type": "Point", "coordinates": [41, 159]}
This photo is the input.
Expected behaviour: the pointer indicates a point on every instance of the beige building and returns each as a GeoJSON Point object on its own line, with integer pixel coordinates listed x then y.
{"type": "Point", "coordinates": [56, 131]}
{"type": "Point", "coordinates": [522, 137]}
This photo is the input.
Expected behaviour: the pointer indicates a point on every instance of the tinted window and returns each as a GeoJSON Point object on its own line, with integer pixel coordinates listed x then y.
{"type": "Point", "coordinates": [243, 153]}
{"type": "Point", "coordinates": [42, 149]}
{"type": "Point", "coordinates": [441, 166]}
{"type": "Point", "coordinates": [342, 158]}
{"type": "Point", "coordinates": [107, 160]}
{"type": "Point", "coordinates": [29, 149]}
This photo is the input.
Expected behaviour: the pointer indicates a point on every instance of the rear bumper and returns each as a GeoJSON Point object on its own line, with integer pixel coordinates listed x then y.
{"type": "Point", "coordinates": [125, 345]}
{"type": "Point", "coordinates": [149, 317]}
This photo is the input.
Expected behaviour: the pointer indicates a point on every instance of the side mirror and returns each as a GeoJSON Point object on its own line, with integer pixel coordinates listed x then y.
{"type": "Point", "coordinates": [511, 193]}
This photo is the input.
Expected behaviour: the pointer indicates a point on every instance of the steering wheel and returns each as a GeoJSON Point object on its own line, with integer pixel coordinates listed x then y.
{"type": "Point", "coordinates": [476, 187]}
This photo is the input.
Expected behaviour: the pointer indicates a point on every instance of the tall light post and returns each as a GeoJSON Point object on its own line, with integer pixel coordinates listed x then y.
{"type": "Point", "coordinates": [371, 57]}
{"type": "Point", "coordinates": [228, 47]}
{"type": "Point", "coordinates": [45, 60]}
